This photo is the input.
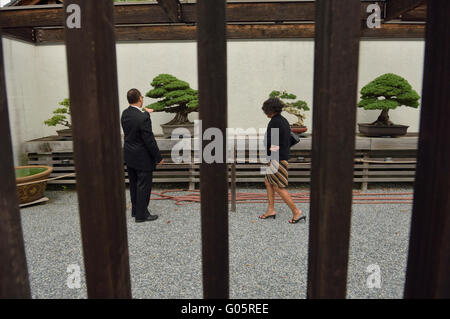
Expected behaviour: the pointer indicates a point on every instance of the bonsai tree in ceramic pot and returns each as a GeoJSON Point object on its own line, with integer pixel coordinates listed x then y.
{"type": "Point", "coordinates": [297, 108]}
{"type": "Point", "coordinates": [61, 116]}
{"type": "Point", "coordinates": [175, 96]}
{"type": "Point", "coordinates": [385, 93]}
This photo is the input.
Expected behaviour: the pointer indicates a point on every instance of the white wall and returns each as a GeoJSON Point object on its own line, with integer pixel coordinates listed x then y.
{"type": "Point", "coordinates": [22, 91]}
{"type": "Point", "coordinates": [37, 77]}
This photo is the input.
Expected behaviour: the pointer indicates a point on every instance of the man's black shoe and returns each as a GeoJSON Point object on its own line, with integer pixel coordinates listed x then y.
{"type": "Point", "coordinates": [148, 219]}
{"type": "Point", "coordinates": [133, 215]}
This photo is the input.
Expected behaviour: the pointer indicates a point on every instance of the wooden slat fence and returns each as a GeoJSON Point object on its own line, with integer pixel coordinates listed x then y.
{"type": "Point", "coordinates": [93, 90]}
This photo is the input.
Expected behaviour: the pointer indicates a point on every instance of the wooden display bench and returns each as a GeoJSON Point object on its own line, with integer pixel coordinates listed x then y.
{"type": "Point", "coordinates": [376, 160]}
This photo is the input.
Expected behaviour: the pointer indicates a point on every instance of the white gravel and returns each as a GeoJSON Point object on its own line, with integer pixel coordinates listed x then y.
{"type": "Point", "coordinates": [268, 259]}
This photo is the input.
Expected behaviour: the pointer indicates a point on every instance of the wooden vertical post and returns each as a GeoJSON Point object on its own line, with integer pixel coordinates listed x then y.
{"type": "Point", "coordinates": [91, 58]}
{"type": "Point", "coordinates": [212, 78]}
{"type": "Point", "coordinates": [192, 177]}
{"type": "Point", "coordinates": [13, 266]}
{"type": "Point", "coordinates": [233, 179]}
{"type": "Point", "coordinates": [427, 274]}
{"type": "Point", "coordinates": [364, 184]}
{"type": "Point", "coordinates": [335, 87]}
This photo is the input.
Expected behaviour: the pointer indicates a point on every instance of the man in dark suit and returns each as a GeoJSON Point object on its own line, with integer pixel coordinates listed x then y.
{"type": "Point", "coordinates": [141, 155]}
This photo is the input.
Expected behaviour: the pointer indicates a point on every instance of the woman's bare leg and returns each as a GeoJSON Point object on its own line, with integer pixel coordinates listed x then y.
{"type": "Point", "coordinates": [270, 198]}
{"type": "Point", "coordinates": [288, 200]}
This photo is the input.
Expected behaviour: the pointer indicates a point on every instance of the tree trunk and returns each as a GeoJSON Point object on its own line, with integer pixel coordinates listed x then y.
{"type": "Point", "coordinates": [180, 118]}
{"type": "Point", "coordinates": [300, 121]}
{"type": "Point", "coordinates": [383, 119]}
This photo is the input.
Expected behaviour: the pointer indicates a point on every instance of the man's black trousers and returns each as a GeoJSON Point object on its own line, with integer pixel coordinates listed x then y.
{"type": "Point", "coordinates": [140, 190]}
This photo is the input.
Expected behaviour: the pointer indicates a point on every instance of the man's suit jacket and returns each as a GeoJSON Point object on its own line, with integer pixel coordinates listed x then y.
{"type": "Point", "coordinates": [140, 149]}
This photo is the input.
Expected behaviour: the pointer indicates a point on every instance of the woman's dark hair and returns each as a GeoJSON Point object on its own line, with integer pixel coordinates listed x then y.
{"type": "Point", "coordinates": [273, 105]}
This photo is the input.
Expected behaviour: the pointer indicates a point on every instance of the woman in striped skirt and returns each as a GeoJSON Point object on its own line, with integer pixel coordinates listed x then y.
{"type": "Point", "coordinates": [277, 177]}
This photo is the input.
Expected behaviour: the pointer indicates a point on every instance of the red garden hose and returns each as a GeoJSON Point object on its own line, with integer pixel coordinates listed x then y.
{"type": "Point", "coordinates": [193, 196]}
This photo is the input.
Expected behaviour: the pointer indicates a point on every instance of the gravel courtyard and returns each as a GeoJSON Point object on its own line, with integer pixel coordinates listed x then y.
{"type": "Point", "coordinates": [268, 259]}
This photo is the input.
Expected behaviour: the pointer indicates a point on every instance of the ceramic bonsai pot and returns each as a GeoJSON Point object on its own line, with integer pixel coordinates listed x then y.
{"type": "Point", "coordinates": [29, 174]}
{"type": "Point", "coordinates": [377, 130]}
{"type": "Point", "coordinates": [299, 129]}
{"type": "Point", "coordinates": [167, 129]}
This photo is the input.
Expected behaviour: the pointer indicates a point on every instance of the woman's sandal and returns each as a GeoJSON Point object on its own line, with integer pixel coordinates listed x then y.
{"type": "Point", "coordinates": [268, 216]}
{"type": "Point", "coordinates": [295, 221]}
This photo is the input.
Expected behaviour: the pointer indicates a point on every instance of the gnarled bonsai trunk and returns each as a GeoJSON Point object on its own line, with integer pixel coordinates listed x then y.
{"type": "Point", "coordinates": [181, 117]}
{"type": "Point", "coordinates": [383, 119]}
{"type": "Point", "coordinates": [300, 122]}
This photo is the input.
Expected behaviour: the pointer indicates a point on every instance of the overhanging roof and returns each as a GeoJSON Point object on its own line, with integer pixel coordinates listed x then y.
{"type": "Point", "coordinates": [173, 20]}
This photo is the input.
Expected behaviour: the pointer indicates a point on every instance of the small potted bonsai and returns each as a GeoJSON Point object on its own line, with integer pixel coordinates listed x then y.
{"type": "Point", "coordinates": [175, 96]}
{"type": "Point", "coordinates": [296, 108]}
{"type": "Point", "coordinates": [385, 93]}
{"type": "Point", "coordinates": [61, 116]}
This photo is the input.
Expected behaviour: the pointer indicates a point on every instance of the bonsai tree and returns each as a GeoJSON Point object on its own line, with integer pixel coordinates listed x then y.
{"type": "Point", "coordinates": [296, 108]}
{"type": "Point", "coordinates": [387, 92]}
{"type": "Point", "coordinates": [175, 96]}
{"type": "Point", "coordinates": [61, 115]}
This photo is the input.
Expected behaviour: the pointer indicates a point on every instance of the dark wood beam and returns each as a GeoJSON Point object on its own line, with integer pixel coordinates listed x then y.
{"type": "Point", "coordinates": [416, 14]}
{"type": "Point", "coordinates": [27, 2]}
{"type": "Point", "coordinates": [31, 17]}
{"type": "Point", "coordinates": [13, 266]}
{"type": "Point", "coordinates": [335, 84]}
{"type": "Point", "coordinates": [396, 8]}
{"type": "Point", "coordinates": [394, 31]}
{"type": "Point", "coordinates": [23, 34]}
{"type": "Point", "coordinates": [35, 2]}
{"type": "Point", "coordinates": [172, 9]}
{"type": "Point", "coordinates": [94, 104]}
{"type": "Point", "coordinates": [51, 16]}
{"type": "Point", "coordinates": [212, 88]}
{"type": "Point", "coordinates": [427, 274]}
{"type": "Point", "coordinates": [247, 31]}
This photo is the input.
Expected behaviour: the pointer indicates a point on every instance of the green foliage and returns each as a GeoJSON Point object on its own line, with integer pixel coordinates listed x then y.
{"type": "Point", "coordinates": [193, 104]}
{"type": "Point", "coordinates": [287, 97]}
{"type": "Point", "coordinates": [157, 107]}
{"type": "Point", "coordinates": [157, 93]}
{"type": "Point", "coordinates": [388, 91]}
{"type": "Point", "coordinates": [274, 94]}
{"type": "Point", "coordinates": [296, 108]}
{"type": "Point", "coordinates": [60, 115]}
{"type": "Point", "coordinates": [175, 96]}
{"type": "Point", "coordinates": [177, 85]}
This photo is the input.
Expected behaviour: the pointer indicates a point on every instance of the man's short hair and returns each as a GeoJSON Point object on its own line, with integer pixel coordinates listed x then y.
{"type": "Point", "coordinates": [133, 96]}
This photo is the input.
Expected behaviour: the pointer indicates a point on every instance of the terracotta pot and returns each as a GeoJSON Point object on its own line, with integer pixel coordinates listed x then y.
{"type": "Point", "coordinates": [299, 129]}
{"type": "Point", "coordinates": [26, 174]}
{"type": "Point", "coordinates": [377, 131]}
